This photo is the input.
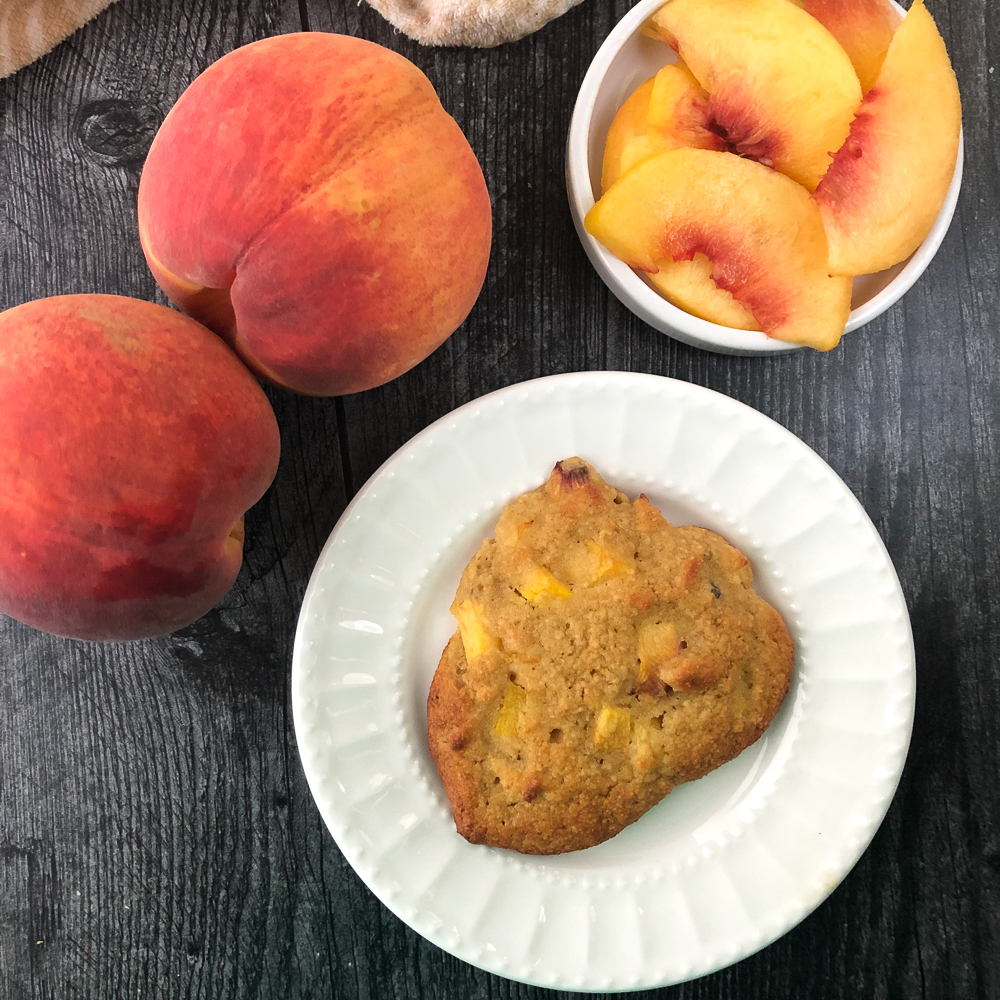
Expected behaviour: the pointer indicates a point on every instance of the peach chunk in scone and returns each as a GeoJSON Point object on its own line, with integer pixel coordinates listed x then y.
{"type": "Point", "coordinates": [885, 188]}
{"type": "Point", "coordinates": [761, 231]}
{"type": "Point", "coordinates": [782, 90]}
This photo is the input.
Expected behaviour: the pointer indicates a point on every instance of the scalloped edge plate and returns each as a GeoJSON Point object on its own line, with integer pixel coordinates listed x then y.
{"type": "Point", "coordinates": [722, 866]}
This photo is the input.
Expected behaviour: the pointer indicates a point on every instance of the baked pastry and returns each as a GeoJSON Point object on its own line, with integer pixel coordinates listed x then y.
{"type": "Point", "coordinates": [602, 657]}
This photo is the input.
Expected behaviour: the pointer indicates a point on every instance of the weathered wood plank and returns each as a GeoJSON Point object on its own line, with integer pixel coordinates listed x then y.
{"type": "Point", "coordinates": [160, 780]}
{"type": "Point", "coordinates": [149, 791]}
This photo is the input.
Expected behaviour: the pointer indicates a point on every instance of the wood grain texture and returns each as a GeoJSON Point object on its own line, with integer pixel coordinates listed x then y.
{"type": "Point", "coordinates": [157, 838]}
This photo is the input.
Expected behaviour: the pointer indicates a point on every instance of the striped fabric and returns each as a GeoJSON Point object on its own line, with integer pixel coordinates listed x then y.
{"type": "Point", "coordinates": [30, 28]}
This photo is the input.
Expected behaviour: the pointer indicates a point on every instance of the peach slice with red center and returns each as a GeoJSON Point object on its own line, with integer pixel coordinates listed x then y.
{"type": "Point", "coordinates": [864, 29]}
{"type": "Point", "coordinates": [761, 231]}
{"type": "Point", "coordinates": [885, 188]}
{"type": "Point", "coordinates": [667, 112]}
{"type": "Point", "coordinates": [679, 110]}
{"type": "Point", "coordinates": [782, 90]}
{"type": "Point", "coordinates": [670, 111]}
{"type": "Point", "coordinates": [689, 285]}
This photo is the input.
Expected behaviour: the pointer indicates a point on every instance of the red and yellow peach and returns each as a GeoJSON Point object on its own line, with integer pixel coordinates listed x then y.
{"type": "Point", "coordinates": [132, 440]}
{"type": "Point", "coordinates": [310, 200]}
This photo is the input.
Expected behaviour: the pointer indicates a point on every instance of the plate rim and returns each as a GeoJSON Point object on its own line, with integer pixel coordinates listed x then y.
{"type": "Point", "coordinates": [624, 379]}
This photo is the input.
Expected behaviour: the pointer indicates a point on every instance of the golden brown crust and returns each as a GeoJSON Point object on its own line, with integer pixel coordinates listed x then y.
{"type": "Point", "coordinates": [603, 657]}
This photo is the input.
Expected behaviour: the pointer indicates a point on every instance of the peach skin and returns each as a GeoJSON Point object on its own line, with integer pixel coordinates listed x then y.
{"type": "Point", "coordinates": [886, 185]}
{"type": "Point", "coordinates": [863, 27]}
{"type": "Point", "coordinates": [132, 440]}
{"type": "Point", "coordinates": [309, 200]}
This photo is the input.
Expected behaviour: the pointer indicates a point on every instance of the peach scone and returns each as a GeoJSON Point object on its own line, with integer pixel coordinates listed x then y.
{"type": "Point", "coordinates": [602, 657]}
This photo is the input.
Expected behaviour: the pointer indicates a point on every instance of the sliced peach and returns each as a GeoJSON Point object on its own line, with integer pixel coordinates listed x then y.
{"type": "Point", "coordinates": [642, 147]}
{"type": "Point", "coordinates": [679, 110]}
{"type": "Point", "coordinates": [668, 111]}
{"type": "Point", "coordinates": [679, 116]}
{"type": "Point", "coordinates": [689, 285]}
{"type": "Point", "coordinates": [887, 183]}
{"type": "Point", "coordinates": [761, 230]}
{"type": "Point", "coordinates": [864, 29]}
{"type": "Point", "coordinates": [630, 123]}
{"type": "Point", "coordinates": [782, 91]}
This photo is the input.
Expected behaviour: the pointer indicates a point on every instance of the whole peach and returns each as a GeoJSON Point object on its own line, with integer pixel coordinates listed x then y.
{"type": "Point", "coordinates": [310, 200]}
{"type": "Point", "coordinates": [131, 442]}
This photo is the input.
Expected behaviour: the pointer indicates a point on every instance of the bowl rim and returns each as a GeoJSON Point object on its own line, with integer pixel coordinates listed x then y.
{"type": "Point", "coordinates": [639, 297]}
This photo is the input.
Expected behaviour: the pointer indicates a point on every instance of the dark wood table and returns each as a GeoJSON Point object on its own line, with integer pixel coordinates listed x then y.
{"type": "Point", "coordinates": [157, 838]}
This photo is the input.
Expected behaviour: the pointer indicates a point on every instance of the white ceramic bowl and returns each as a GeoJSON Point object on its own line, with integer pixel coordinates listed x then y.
{"type": "Point", "coordinates": [622, 63]}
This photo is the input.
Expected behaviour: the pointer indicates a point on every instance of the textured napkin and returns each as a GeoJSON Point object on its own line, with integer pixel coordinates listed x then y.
{"type": "Point", "coordinates": [480, 23]}
{"type": "Point", "coordinates": [30, 28]}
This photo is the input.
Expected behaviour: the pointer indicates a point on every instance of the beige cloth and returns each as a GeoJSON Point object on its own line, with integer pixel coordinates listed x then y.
{"type": "Point", "coordinates": [480, 23]}
{"type": "Point", "coordinates": [30, 28]}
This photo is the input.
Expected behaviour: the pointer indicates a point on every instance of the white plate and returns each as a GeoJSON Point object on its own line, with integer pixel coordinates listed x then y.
{"type": "Point", "coordinates": [723, 865]}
